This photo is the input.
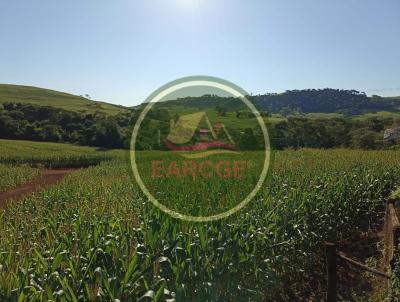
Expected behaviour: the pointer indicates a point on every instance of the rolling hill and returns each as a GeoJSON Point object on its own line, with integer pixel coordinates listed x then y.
{"type": "Point", "coordinates": [47, 97]}
{"type": "Point", "coordinates": [314, 102]}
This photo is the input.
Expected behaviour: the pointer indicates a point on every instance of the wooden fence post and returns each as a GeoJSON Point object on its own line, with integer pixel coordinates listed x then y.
{"type": "Point", "coordinates": [386, 236]}
{"type": "Point", "coordinates": [330, 253]}
{"type": "Point", "coordinates": [396, 236]}
{"type": "Point", "coordinates": [393, 233]}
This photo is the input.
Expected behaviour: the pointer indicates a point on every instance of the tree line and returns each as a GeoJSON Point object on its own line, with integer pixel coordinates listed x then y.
{"type": "Point", "coordinates": [327, 100]}
{"type": "Point", "coordinates": [50, 124]}
{"type": "Point", "coordinates": [41, 123]}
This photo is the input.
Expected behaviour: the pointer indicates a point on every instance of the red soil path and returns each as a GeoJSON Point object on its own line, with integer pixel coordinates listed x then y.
{"type": "Point", "coordinates": [47, 178]}
{"type": "Point", "coordinates": [199, 146]}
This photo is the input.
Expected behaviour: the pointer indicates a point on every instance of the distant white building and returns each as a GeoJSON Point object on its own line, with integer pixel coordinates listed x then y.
{"type": "Point", "coordinates": [391, 134]}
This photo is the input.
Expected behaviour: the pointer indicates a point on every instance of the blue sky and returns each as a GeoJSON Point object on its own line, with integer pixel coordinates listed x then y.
{"type": "Point", "coordinates": [120, 51]}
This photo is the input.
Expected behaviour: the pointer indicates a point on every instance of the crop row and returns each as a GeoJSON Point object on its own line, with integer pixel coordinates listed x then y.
{"type": "Point", "coordinates": [96, 236]}
{"type": "Point", "coordinates": [12, 176]}
{"type": "Point", "coordinates": [52, 155]}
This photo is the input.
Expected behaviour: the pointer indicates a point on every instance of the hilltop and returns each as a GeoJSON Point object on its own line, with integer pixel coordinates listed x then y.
{"type": "Point", "coordinates": [314, 102]}
{"type": "Point", "coordinates": [48, 97]}
{"type": "Point", "coordinates": [311, 102]}
{"type": "Point", "coordinates": [327, 100]}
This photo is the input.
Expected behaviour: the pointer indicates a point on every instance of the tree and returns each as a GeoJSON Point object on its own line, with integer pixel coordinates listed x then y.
{"type": "Point", "coordinates": [365, 139]}
{"type": "Point", "coordinates": [222, 111]}
{"type": "Point", "coordinates": [248, 141]}
{"type": "Point", "coordinates": [51, 133]}
{"type": "Point", "coordinates": [112, 135]}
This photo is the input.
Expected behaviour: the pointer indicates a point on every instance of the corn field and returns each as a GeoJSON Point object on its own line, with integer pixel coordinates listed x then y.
{"type": "Point", "coordinates": [52, 155]}
{"type": "Point", "coordinates": [12, 176]}
{"type": "Point", "coordinates": [94, 236]}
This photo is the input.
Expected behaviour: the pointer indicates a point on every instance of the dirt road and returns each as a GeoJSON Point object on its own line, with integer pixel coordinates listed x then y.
{"type": "Point", "coordinates": [47, 178]}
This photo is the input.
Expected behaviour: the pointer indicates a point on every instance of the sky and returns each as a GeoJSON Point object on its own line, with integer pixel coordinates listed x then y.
{"type": "Point", "coordinates": [120, 51]}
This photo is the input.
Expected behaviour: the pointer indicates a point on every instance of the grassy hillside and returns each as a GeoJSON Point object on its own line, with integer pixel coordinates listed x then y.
{"type": "Point", "coordinates": [47, 97]}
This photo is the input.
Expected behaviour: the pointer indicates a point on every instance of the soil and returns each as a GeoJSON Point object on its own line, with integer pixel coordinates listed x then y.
{"type": "Point", "coordinates": [46, 178]}
{"type": "Point", "coordinates": [362, 247]}
{"type": "Point", "coordinates": [354, 284]}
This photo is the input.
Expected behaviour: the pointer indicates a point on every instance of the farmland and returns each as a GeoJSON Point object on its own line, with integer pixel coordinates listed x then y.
{"type": "Point", "coordinates": [130, 170]}
{"type": "Point", "coordinates": [96, 235]}
{"type": "Point", "coordinates": [12, 176]}
{"type": "Point", "coordinates": [52, 155]}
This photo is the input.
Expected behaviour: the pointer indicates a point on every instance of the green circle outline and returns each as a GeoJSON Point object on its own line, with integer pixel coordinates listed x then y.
{"type": "Point", "coordinates": [199, 81]}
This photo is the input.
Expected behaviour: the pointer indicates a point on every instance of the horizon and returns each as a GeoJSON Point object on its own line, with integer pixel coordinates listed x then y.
{"type": "Point", "coordinates": [121, 52]}
{"type": "Point", "coordinates": [198, 95]}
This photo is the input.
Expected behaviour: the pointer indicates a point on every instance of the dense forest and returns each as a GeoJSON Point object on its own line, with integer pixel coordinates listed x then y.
{"type": "Point", "coordinates": [45, 123]}
{"type": "Point", "coordinates": [347, 102]}
{"type": "Point", "coordinates": [331, 133]}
